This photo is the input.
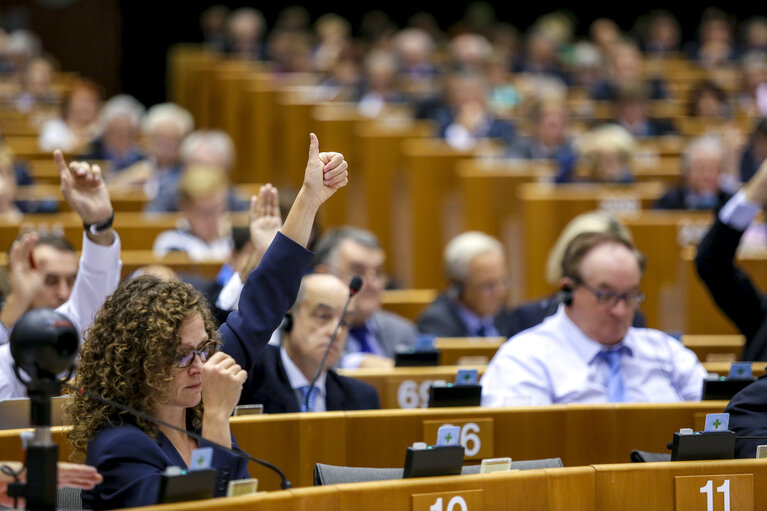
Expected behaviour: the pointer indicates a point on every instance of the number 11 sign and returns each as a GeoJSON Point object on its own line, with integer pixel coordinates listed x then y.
{"type": "Point", "coordinates": [733, 492]}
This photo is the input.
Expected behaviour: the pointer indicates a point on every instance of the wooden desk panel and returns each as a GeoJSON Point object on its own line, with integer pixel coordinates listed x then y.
{"type": "Point", "coordinates": [643, 486]}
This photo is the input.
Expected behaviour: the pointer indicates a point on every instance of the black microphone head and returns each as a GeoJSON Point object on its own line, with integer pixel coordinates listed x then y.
{"type": "Point", "coordinates": [355, 285]}
{"type": "Point", "coordinates": [44, 342]}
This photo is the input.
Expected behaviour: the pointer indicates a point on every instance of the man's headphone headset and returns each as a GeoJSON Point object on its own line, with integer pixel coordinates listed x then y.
{"type": "Point", "coordinates": [287, 323]}
{"type": "Point", "coordinates": [566, 295]}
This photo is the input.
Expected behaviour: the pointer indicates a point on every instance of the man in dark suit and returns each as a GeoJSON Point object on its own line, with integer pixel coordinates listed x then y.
{"type": "Point", "coordinates": [704, 162]}
{"type": "Point", "coordinates": [748, 417]}
{"type": "Point", "coordinates": [729, 286]}
{"type": "Point", "coordinates": [280, 379]}
{"type": "Point", "coordinates": [375, 335]}
{"type": "Point", "coordinates": [473, 305]}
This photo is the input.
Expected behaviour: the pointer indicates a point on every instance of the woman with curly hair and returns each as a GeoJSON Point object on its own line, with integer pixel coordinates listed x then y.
{"type": "Point", "coordinates": [154, 347]}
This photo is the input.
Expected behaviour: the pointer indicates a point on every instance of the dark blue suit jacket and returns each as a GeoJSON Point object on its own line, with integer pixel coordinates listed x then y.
{"type": "Point", "coordinates": [748, 417]}
{"type": "Point", "coordinates": [268, 384]}
{"type": "Point", "coordinates": [131, 461]}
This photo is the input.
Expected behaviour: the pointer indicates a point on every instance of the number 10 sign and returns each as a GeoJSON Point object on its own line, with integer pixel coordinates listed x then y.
{"type": "Point", "coordinates": [734, 492]}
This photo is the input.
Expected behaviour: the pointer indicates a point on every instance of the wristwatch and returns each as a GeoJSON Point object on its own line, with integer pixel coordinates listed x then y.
{"type": "Point", "coordinates": [103, 226]}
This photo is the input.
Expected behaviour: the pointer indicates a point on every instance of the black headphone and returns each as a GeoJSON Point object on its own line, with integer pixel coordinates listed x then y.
{"type": "Point", "coordinates": [566, 295]}
{"type": "Point", "coordinates": [287, 323]}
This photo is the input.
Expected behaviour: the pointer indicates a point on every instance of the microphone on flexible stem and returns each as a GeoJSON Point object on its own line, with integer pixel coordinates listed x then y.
{"type": "Point", "coordinates": [284, 484]}
{"type": "Point", "coordinates": [354, 286]}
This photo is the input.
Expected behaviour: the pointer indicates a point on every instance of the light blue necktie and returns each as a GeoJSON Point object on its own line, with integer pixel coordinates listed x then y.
{"type": "Point", "coordinates": [616, 392]}
{"type": "Point", "coordinates": [304, 391]}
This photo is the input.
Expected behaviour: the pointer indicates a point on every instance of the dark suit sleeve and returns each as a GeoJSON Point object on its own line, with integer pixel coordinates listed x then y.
{"type": "Point", "coordinates": [269, 292]}
{"type": "Point", "coordinates": [440, 320]}
{"type": "Point", "coordinates": [131, 464]}
{"type": "Point", "coordinates": [748, 417]}
{"type": "Point", "coordinates": [729, 286]}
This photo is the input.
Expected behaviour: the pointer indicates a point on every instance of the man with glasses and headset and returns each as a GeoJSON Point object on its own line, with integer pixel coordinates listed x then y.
{"type": "Point", "coordinates": [588, 352]}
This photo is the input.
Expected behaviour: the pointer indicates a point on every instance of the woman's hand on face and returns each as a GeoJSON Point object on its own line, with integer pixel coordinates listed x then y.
{"type": "Point", "coordinates": [222, 380]}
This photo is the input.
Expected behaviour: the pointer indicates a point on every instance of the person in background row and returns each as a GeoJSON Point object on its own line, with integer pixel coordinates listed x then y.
{"type": "Point", "coordinates": [207, 233]}
{"type": "Point", "coordinates": [78, 125]}
{"type": "Point", "coordinates": [606, 155]}
{"type": "Point", "coordinates": [164, 126]}
{"type": "Point", "coordinates": [211, 149]}
{"type": "Point", "coordinates": [474, 304]}
{"type": "Point", "coordinates": [375, 335]}
{"type": "Point", "coordinates": [118, 144]}
{"type": "Point", "coordinates": [703, 164]}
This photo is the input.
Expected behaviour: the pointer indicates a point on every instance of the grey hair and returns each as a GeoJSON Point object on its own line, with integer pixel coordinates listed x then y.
{"type": "Point", "coordinates": [122, 105]}
{"type": "Point", "coordinates": [326, 249]}
{"type": "Point", "coordinates": [703, 143]}
{"type": "Point", "coordinates": [171, 113]}
{"type": "Point", "coordinates": [463, 248]}
{"type": "Point", "coordinates": [216, 139]}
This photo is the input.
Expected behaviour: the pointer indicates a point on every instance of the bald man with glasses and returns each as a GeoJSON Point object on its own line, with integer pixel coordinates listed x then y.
{"type": "Point", "coordinates": [588, 352]}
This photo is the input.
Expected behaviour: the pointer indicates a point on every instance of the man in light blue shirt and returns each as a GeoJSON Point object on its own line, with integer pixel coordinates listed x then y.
{"type": "Point", "coordinates": [588, 352]}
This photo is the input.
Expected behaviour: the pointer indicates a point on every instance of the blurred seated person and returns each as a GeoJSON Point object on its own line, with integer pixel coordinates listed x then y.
{"type": "Point", "coordinates": [550, 139]}
{"type": "Point", "coordinates": [605, 155]}
{"type": "Point", "coordinates": [588, 351]}
{"type": "Point", "coordinates": [463, 116]}
{"type": "Point", "coordinates": [375, 334]}
{"type": "Point", "coordinates": [36, 85]}
{"type": "Point", "coordinates": [715, 44]}
{"type": "Point", "coordinates": [755, 151]}
{"type": "Point", "coordinates": [333, 41]}
{"type": "Point", "coordinates": [118, 144]}
{"type": "Point", "coordinates": [210, 148]}
{"type": "Point", "coordinates": [529, 314]}
{"type": "Point", "coordinates": [625, 68]}
{"type": "Point", "coordinates": [164, 127]}
{"type": "Point", "coordinates": [71, 475]}
{"type": "Point", "coordinates": [281, 377]}
{"type": "Point", "coordinates": [379, 85]}
{"type": "Point", "coordinates": [632, 112]}
{"type": "Point", "coordinates": [709, 101]}
{"type": "Point", "coordinates": [415, 50]}
{"type": "Point", "coordinates": [245, 29]}
{"type": "Point", "coordinates": [11, 207]}
{"type": "Point", "coordinates": [748, 417]}
{"type": "Point", "coordinates": [474, 304]}
{"type": "Point", "coordinates": [703, 163]}
{"type": "Point", "coordinates": [78, 125]}
{"type": "Point", "coordinates": [541, 56]}
{"type": "Point", "coordinates": [206, 234]}
{"type": "Point", "coordinates": [661, 35]}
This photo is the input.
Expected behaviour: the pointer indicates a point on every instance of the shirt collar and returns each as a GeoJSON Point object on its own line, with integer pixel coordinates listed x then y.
{"type": "Point", "coordinates": [296, 377]}
{"type": "Point", "coordinates": [586, 347]}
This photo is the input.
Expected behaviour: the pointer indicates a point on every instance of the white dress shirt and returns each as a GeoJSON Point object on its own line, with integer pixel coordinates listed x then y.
{"type": "Point", "coordinates": [555, 362]}
{"type": "Point", "coordinates": [97, 278]}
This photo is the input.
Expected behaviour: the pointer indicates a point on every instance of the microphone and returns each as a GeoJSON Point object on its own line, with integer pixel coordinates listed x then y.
{"type": "Point", "coordinates": [284, 484]}
{"type": "Point", "coordinates": [354, 286]}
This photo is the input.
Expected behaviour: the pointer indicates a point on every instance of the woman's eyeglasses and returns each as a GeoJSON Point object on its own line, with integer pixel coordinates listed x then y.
{"type": "Point", "coordinates": [205, 352]}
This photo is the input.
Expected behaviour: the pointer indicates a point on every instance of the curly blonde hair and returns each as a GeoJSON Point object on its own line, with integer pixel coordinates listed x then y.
{"type": "Point", "coordinates": [130, 352]}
